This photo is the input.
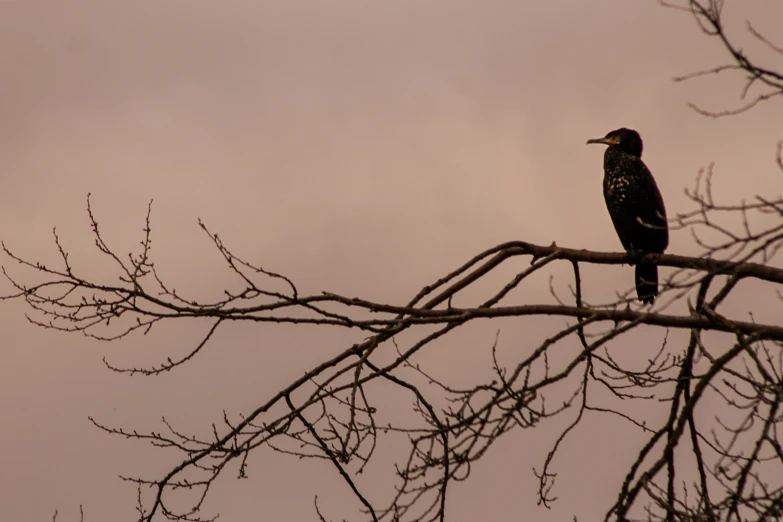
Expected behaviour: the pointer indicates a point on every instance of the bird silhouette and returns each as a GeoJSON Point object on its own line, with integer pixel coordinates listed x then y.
{"type": "Point", "coordinates": [635, 206]}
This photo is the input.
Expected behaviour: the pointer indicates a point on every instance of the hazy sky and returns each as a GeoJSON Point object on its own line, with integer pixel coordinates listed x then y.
{"type": "Point", "coordinates": [359, 146]}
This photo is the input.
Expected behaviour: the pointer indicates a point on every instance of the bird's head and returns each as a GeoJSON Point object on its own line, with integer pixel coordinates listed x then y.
{"type": "Point", "coordinates": [626, 140]}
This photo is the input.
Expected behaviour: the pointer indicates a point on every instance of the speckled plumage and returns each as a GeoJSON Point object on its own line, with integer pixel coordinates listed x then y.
{"type": "Point", "coordinates": [635, 205]}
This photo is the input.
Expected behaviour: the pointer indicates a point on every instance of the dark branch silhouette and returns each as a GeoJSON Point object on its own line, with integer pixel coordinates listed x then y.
{"type": "Point", "coordinates": [691, 466]}
{"type": "Point", "coordinates": [328, 412]}
{"type": "Point", "coordinates": [762, 83]}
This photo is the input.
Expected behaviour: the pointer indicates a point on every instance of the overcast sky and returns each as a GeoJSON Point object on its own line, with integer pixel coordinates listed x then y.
{"type": "Point", "coordinates": [359, 146]}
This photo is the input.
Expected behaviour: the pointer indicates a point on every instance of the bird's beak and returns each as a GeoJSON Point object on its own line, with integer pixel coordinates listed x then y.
{"type": "Point", "coordinates": [604, 141]}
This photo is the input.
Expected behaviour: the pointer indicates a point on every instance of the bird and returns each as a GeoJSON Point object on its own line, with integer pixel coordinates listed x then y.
{"type": "Point", "coordinates": [635, 206]}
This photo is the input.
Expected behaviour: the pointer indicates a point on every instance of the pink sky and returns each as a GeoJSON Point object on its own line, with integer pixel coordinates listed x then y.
{"type": "Point", "coordinates": [358, 146]}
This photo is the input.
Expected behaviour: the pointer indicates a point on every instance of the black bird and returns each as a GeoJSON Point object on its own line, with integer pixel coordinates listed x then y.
{"type": "Point", "coordinates": [635, 205]}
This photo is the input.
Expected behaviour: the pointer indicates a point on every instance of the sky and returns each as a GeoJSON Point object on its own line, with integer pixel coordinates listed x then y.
{"type": "Point", "coordinates": [360, 147]}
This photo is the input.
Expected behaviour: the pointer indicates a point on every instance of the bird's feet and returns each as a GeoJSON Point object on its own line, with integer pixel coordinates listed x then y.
{"type": "Point", "coordinates": [634, 256]}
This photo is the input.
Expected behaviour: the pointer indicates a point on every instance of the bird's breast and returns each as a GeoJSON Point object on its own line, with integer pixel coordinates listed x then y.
{"type": "Point", "coordinates": [617, 186]}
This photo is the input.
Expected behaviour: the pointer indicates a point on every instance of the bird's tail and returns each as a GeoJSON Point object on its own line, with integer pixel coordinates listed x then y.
{"type": "Point", "coordinates": [646, 281]}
